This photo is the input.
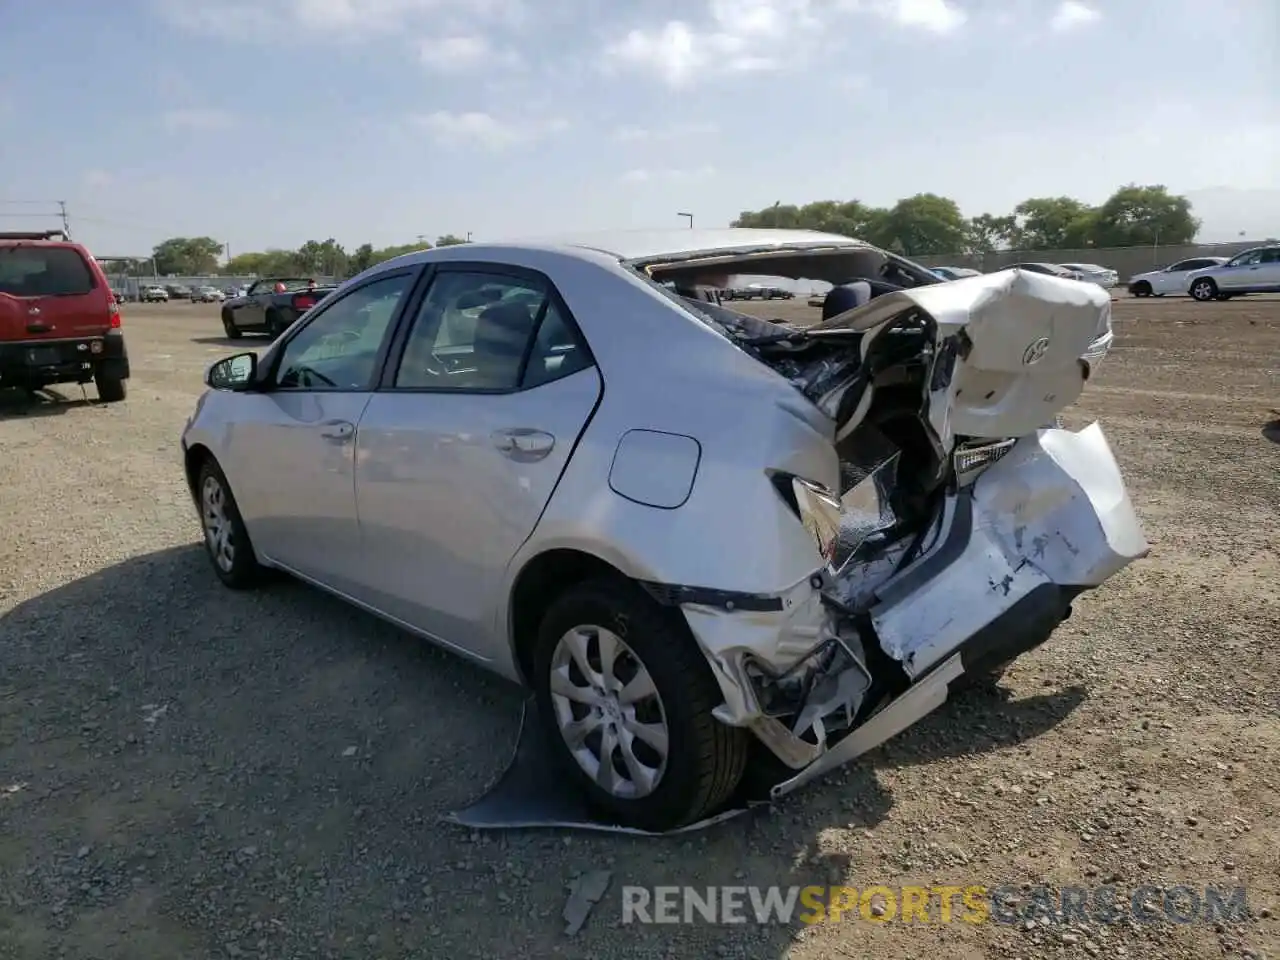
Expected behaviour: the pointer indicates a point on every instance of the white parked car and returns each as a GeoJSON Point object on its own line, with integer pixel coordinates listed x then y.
{"type": "Point", "coordinates": [154, 295]}
{"type": "Point", "coordinates": [1104, 277]}
{"type": "Point", "coordinates": [207, 295]}
{"type": "Point", "coordinates": [1171, 279]}
{"type": "Point", "coordinates": [1254, 271]}
{"type": "Point", "coordinates": [721, 554]}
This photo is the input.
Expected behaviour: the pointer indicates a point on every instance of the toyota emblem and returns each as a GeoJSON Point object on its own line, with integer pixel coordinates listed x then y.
{"type": "Point", "coordinates": [1035, 352]}
{"type": "Point", "coordinates": [34, 312]}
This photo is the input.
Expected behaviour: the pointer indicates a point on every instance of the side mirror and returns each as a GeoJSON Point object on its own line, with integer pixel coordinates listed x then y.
{"type": "Point", "coordinates": [233, 373]}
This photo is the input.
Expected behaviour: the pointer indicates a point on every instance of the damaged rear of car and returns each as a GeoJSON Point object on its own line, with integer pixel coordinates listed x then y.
{"type": "Point", "coordinates": [951, 528]}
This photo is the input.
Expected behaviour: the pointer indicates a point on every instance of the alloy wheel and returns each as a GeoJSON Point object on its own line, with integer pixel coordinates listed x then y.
{"type": "Point", "coordinates": [218, 533]}
{"type": "Point", "coordinates": [609, 712]}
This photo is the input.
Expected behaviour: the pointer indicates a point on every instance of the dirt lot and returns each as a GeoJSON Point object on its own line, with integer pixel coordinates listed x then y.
{"type": "Point", "coordinates": [188, 772]}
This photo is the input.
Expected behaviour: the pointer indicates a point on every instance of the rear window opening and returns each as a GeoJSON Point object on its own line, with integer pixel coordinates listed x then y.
{"type": "Point", "coordinates": [44, 272]}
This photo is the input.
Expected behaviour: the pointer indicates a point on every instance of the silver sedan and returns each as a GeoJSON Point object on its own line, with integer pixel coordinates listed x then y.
{"type": "Point", "coordinates": [719, 550]}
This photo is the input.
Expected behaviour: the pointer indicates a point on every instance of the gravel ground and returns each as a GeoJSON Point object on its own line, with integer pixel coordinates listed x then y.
{"type": "Point", "coordinates": [189, 772]}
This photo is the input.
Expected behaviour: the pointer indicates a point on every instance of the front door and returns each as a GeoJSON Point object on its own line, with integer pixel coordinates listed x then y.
{"type": "Point", "coordinates": [294, 447]}
{"type": "Point", "coordinates": [459, 452]}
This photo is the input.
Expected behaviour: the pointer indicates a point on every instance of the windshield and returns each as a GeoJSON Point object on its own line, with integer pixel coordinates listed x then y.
{"type": "Point", "coordinates": [43, 272]}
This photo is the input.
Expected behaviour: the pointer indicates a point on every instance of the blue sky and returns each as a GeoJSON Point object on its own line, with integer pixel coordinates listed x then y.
{"type": "Point", "coordinates": [272, 122]}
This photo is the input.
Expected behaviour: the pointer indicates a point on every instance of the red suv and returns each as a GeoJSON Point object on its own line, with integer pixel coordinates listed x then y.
{"type": "Point", "coordinates": [59, 320]}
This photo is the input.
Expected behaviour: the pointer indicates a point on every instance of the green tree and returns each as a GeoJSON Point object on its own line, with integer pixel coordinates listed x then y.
{"type": "Point", "coordinates": [849, 218]}
{"type": "Point", "coordinates": [449, 240]}
{"type": "Point", "coordinates": [362, 259]}
{"type": "Point", "coordinates": [987, 232]}
{"type": "Point", "coordinates": [326, 258]}
{"type": "Point", "coordinates": [1052, 223]}
{"type": "Point", "coordinates": [920, 225]}
{"type": "Point", "coordinates": [389, 253]}
{"type": "Point", "coordinates": [1141, 215]}
{"type": "Point", "coordinates": [187, 255]}
{"type": "Point", "coordinates": [265, 263]}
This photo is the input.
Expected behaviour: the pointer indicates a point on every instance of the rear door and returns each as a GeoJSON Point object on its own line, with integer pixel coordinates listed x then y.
{"type": "Point", "coordinates": [460, 449]}
{"type": "Point", "coordinates": [50, 292]}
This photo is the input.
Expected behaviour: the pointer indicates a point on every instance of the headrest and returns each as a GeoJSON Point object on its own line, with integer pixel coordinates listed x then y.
{"type": "Point", "coordinates": [503, 329]}
{"type": "Point", "coordinates": [845, 297]}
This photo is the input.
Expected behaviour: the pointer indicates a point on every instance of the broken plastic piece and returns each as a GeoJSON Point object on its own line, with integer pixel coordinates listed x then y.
{"type": "Point", "coordinates": [588, 890]}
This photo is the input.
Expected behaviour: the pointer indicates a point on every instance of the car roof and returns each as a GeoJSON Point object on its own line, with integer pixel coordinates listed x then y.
{"type": "Point", "coordinates": [645, 245]}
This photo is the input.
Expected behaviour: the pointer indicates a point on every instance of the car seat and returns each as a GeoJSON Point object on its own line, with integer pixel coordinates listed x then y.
{"type": "Point", "coordinates": [502, 335]}
{"type": "Point", "coordinates": [845, 297]}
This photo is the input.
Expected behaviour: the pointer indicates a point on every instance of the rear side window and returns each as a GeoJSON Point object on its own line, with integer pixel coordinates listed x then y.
{"type": "Point", "coordinates": [44, 272]}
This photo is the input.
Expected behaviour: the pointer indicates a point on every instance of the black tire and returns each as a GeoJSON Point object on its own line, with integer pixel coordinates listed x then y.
{"type": "Point", "coordinates": [705, 758]}
{"type": "Point", "coordinates": [1141, 289]}
{"type": "Point", "coordinates": [985, 681]}
{"type": "Point", "coordinates": [111, 389]}
{"type": "Point", "coordinates": [229, 326]}
{"type": "Point", "coordinates": [242, 571]}
{"type": "Point", "coordinates": [1203, 289]}
{"type": "Point", "coordinates": [275, 324]}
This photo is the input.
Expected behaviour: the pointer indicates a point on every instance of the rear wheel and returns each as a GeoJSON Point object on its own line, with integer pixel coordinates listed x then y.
{"type": "Point", "coordinates": [1141, 289]}
{"type": "Point", "coordinates": [625, 696]}
{"type": "Point", "coordinates": [225, 538]}
{"type": "Point", "coordinates": [111, 388]}
{"type": "Point", "coordinates": [1204, 290]}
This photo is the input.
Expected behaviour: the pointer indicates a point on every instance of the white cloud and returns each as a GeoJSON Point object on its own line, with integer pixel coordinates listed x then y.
{"type": "Point", "coordinates": [935, 16]}
{"type": "Point", "coordinates": [642, 175]}
{"type": "Point", "coordinates": [678, 131]}
{"type": "Point", "coordinates": [1072, 14]}
{"type": "Point", "coordinates": [199, 119]}
{"type": "Point", "coordinates": [97, 179]}
{"type": "Point", "coordinates": [457, 54]}
{"type": "Point", "coordinates": [482, 129]}
{"type": "Point", "coordinates": [336, 20]}
{"type": "Point", "coordinates": [739, 36]}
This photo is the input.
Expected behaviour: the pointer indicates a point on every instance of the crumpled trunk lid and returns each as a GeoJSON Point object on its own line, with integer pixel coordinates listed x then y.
{"type": "Point", "coordinates": [1008, 347]}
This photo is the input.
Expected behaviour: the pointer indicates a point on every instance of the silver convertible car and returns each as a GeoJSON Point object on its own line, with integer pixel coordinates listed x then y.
{"type": "Point", "coordinates": [720, 550]}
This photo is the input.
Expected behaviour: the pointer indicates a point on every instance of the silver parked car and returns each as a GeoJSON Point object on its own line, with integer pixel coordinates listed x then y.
{"type": "Point", "coordinates": [718, 549]}
{"type": "Point", "coordinates": [1104, 277]}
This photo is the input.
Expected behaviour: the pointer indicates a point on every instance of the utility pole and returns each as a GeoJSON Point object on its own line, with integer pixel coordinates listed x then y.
{"type": "Point", "coordinates": [66, 224]}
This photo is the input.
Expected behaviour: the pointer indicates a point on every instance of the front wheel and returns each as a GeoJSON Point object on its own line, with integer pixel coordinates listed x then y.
{"type": "Point", "coordinates": [225, 538]}
{"type": "Point", "coordinates": [229, 326]}
{"type": "Point", "coordinates": [625, 697]}
{"type": "Point", "coordinates": [1204, 290]}
{"type": "Point", "coordinates": [1141, 289]}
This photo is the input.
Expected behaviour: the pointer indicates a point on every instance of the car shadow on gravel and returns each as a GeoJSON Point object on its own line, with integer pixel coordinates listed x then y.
{"type": "Point", "coordinates": [221, 767]}
{"type": "Point", "coordinates": [16, 404]}
{"type": "Point", "coordinates": [1272, 431]}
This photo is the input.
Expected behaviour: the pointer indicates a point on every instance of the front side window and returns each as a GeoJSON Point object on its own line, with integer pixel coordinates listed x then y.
{"type": "Point", "coordinates": [338, 348]}
{"type": "Point", "coordinates": [1248, 258]}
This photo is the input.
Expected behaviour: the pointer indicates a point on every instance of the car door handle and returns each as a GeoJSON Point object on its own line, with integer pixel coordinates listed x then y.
{"type": "Point", "coordinates": [337, 430]}
{"type": "Point", "coordinates": [523, 444]}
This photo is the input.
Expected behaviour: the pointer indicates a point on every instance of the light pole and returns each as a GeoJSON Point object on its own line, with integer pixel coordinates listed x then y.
{"type": "Point", "coordinates": [690, 216]}
{"type": "Point", "coordinates": [776, 203]}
